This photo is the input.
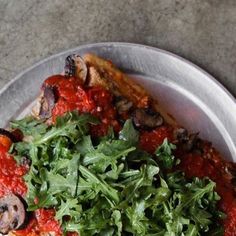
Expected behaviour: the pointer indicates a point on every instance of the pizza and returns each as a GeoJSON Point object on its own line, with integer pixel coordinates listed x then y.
{"type": "Point", "coordinates": [99, 156]}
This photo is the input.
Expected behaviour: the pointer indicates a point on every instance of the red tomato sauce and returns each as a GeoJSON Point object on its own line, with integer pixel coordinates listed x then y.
{"type": "Point", "coordinates": [11, 181]}
{"type": "Point", "coordinates": [43, 221]}
{"type": "Point", "coordinates": [11, 174]}
{"type": "Point", "coordinates": [150, 140]}
{"type": "Point", "coordinates": [209, 164]}
{"type": "Point", "coordinates": [195, 165]}
{"type": "Point", "coordinates": [70, 95]}
{"type": "Point", "coordinates": [5, 141]}
{"type": "Point", "coordinates": [96, 100]}
{"type": "Point", "coordinates": [104, 110]}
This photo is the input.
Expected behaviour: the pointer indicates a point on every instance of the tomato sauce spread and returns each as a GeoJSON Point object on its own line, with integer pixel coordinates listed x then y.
{"type": "Point", "coordinates": [71, 95]}
{"type": "Point", "coordinates": [11, 174]}
{"type": "Point", "coordinates": [195, 165]}
{"type": "Point", "coordinates": [150, 140]}
{"type": "Point", "coordinates": [97, 101]}
{"type": "Point", "coordinates": [208, 164]}
{"type": "Point", "coordinates": [43, 221]}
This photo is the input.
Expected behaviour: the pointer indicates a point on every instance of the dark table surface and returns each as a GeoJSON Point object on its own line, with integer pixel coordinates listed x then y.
{"type": "Point", "coordinates": [202, 31]}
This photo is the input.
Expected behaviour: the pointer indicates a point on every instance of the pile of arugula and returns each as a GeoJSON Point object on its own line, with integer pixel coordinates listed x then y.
{"type": "Point", "coordinates": [109, 186]}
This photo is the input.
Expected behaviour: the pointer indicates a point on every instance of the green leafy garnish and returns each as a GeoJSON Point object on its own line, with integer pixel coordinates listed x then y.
{"type": "Point", "coordinates": [129, 133]}
{"type": "Point", "coordinates": [111, 187]}
{"type": "Point", "coordinates": [165, 156]}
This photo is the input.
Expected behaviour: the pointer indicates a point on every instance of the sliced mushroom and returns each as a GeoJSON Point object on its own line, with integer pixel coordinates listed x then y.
{"type": "Point", "coordinates": [145, 118]}
{"type": "Point", "coordinates": [188, 141]}
{"type": "Point", "coordinates": [8, 134]}
{"type": "Point", "coordinates": [181, 135]}
{"type": "Point", "coordinates": [75, 66]}
{"type": "Point", "coordinates": [190, 144]}
{"type": "Point", "coordinates": [122, 104]}
{"type": "Point", "coordinates": [47, 102]}
{"type": "Point", "coordinates": [12, 213]}
{"type": "Point", "coordinates": [18, 135]}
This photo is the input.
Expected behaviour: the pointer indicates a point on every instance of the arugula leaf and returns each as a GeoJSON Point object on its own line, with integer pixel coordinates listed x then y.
{"type": "Point", "coordinates": [107, 190]}
{"type": "Point", "coordinates": [164, 154]}
{"type": "Point", "coordinates": [111, 187]}
{"type": "Point", "coordinates": [85, 145]}
{"type": "Point", "coordinates": [29, 126]}
{"type": "Point", "coordinates": [137, 218]}
{"type": "Point", "coordinates": [117, 217]}
{"type": "Point", "coordinates": [69, 207]}
{"type": "Point", "coordinates": [106, 154]}
{"type": "Point", "coordinates": [129, 133]}
{"type": "Point", "coordinates": [192, 230]}
{"type": "Point", "coordinates": [71, 125]}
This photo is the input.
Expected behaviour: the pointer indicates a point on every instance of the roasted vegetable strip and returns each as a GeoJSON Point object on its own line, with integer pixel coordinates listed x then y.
{"type": "Point", "coordinates": [120, 84]}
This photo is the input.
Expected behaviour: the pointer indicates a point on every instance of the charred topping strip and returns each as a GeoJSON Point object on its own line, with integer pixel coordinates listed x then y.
{"type": "Point", "coordinates": [146, 118]}
{"type": "Point", "coordinates": [12, 213]}
{"type": "Point", "coordinates": [181, 134]}
{"type": "Point", "coordinates": [189, 142]}
{"type": "Point", "coordinates": [96, 79]}
{"type": "Point", "coordinates": [47, 102]}
{"type": "Point", "coordinates": [70, 66]}
{"type": "Point", "coordinates": [192, 142]}
{"type": "Point", "coordinates": [122, 104]}
{"type": "Point", "coordinates": [75, 66]}
{"type": "Point", "coordinates": [231, 170]}
{"type": "Point", "coordinates": [8, 134]}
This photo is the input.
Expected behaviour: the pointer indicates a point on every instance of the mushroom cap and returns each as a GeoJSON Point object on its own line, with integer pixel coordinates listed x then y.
{"type": "Point", "coordinates": [12, 213]}
{"type": "Point", "coordinates": [8, 134]}
{"type": "Point", "coordinates": [144, 118]}
{"type": "Point", "coordinates": [47, 102]}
